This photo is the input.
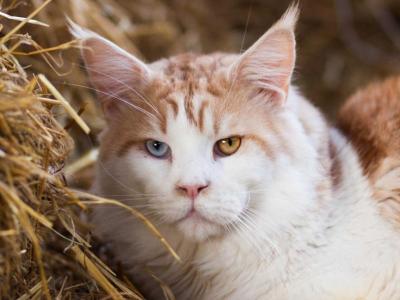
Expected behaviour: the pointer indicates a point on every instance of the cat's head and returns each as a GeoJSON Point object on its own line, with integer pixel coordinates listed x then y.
{"type": "Point", "coordinates": [196, 141]}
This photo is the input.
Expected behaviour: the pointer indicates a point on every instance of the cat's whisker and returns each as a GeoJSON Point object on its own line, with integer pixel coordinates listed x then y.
{"type": "Point", "coordinates": [127, 198]}
{"type": "Point", "coordinates": [114, 96]}
{"type": "Point", "coordinates": [131, 194]}
{"type": "Point", "coordinates": [129, 188]}
{"type": "Point", "coordinates": [276, 252]}
{"type": "Point", "coordinates": [272, 229]}
{"type": "Point", "coordinates": [149, 212]}
{"type": "Point", "coordinates": [133, 198]}
{"type": "Point", "coordinates": [245, 232]}
{"type": "Point", "coordinates": [248, 218]}
{"type": "Point", "coordinates": [142, 206]}
{"type": "Point", "coordinates": [250, 215]}
{"type": "Point", "coordinates": [248, 230]}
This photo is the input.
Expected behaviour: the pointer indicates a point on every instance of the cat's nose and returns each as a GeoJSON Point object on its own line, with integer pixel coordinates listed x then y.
{"type": "Point", "coordinates": [192, 190]}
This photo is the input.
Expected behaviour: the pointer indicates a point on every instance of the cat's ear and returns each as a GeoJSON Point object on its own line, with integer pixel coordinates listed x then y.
{"type": "Point", "coordinates": [114, 73]}
{"type": "Point", "coordinates": [267, 66]}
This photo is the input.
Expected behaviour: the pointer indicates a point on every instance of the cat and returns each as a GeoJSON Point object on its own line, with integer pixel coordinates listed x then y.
{"type": "Point", "coordinates": [245, 178]}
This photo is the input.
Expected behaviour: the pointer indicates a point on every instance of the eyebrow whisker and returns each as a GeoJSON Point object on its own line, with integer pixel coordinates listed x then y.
{"type": "Point", "coordinates": [137, 93]}
{"type": "Point", "coordinates": [113, 96]}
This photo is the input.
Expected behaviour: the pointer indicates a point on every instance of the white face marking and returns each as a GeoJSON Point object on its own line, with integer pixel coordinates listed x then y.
{"type": "Point", "coordinates": [193, 163]}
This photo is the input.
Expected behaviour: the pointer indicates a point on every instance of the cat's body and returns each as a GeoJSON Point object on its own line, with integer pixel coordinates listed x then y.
{"type": "Point", "coordinates": [340, 249]}
{"type": "Point", "coordinates": [284, 212]}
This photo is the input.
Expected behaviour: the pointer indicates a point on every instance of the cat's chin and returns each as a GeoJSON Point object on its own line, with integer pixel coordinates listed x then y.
{"type": "Point", "coordinates": [198, 228]}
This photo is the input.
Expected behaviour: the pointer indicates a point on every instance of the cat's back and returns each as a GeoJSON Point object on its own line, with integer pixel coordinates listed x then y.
{"type": "Point", "coordinates": [371, 121]}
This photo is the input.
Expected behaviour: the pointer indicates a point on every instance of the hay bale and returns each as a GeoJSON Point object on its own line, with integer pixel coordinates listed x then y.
{"type": "Point", "coordinates": [42, 252]}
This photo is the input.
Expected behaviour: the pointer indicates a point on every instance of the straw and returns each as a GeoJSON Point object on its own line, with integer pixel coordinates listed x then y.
{"type": "Point", "coordinates": [64, 103]}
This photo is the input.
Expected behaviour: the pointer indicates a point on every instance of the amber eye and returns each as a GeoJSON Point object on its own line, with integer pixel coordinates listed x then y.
{"type": "Point", "coordinates": [227, 146]}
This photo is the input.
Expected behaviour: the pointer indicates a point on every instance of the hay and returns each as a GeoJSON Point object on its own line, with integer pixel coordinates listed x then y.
{"type": "Point", "coordinates": [43, 253]}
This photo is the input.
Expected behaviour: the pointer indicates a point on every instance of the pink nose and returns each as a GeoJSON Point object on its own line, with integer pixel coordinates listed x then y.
{"type": "Point", "coordinates": [192, 191]}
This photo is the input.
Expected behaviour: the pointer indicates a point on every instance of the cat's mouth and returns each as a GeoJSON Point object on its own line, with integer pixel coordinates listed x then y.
{"type": "Point", "coordinates": [196, 226]}
{"type": "Point", "coordinates": [205, 222]}
{"type": "Point", "coordinates": [195, 216]}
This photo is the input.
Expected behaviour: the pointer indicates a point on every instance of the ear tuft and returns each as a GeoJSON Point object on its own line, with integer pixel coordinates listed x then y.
{"type": "Point", "coordinates": [80, 33]}
{"type": "Point", "coordinates": [290, 17]}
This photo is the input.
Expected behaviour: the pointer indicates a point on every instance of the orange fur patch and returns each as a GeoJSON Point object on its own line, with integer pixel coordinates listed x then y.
{"type": "Point", "coordinates": [174, 105]}
{"type": "Point", "coordinates": [371, 121]}
{"type": "Point", "coordinates": [124, 148]}
{"type": "Point", "coordinates": [262, 144]}
{"type": "Point", "coordinates": [202, 109]}
{"type": "Point", "coordinates": [335, 167]}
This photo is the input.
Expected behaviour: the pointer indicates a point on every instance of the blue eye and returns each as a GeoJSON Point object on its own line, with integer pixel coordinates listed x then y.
{"type": "Point", "coordinates": [157, 149]}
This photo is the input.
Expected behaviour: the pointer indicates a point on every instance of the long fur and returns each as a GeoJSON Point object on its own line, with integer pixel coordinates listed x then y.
{"type": "Point", "coordinates": [290, 215]}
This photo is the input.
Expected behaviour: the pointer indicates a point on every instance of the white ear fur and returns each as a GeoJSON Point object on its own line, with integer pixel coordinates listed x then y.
{"type": "Point", "coordinates": [113, 72]}
{"type": "Point", "coordinates": [268, 64]}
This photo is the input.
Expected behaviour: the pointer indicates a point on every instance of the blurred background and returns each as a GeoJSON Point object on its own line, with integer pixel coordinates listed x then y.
{"type": "Point", "coordinates": [342, 44]}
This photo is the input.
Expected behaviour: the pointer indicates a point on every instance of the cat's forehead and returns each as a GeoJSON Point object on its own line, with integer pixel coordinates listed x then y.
{"type": "Point", "coordinates": [189, 65]}
{"type": "Point", "coordinates": [191, 91]}
{"type": "Point", "coordinates": [190, 73]}
{"type": "Point", "coordinates": [190, 85]}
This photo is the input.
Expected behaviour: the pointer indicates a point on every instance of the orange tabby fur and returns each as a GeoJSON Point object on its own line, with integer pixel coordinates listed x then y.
{"type": "Point", "coordinates": [371, 120]}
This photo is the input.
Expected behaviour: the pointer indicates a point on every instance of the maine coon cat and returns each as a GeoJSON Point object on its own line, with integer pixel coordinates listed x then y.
{"type": "Point", "coordinates": [243, 176]}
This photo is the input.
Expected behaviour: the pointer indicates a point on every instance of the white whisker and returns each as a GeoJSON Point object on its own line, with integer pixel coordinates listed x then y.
{"type": "Point", "coordinates": [113, 96]}
{"type": "Point", "coordinates": [130, 88]}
